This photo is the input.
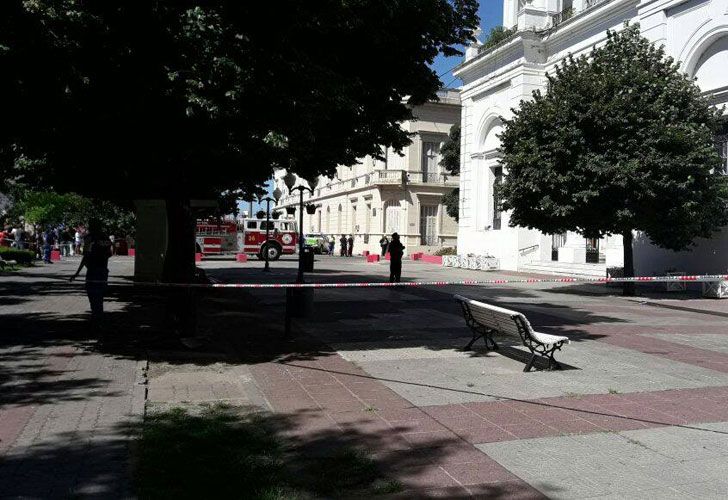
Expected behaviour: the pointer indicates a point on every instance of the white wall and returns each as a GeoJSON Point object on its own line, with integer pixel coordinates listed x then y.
{"type": "Point", "coordinates": [693, 31]}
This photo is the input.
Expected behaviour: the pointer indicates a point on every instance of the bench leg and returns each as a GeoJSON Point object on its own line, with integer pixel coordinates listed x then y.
{"type": "Point", "coordinates": [553, 364]}
{"type": "Point", "coordinates": [476, 336]}
{"type": "Point", "coordinates": [495, 346]}
{"type": "Point", "coordinates": [529, 365]}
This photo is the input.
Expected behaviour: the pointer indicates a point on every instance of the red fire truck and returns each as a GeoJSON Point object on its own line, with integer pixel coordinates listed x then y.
{"type": "Point", "coordinates": [247, 236]}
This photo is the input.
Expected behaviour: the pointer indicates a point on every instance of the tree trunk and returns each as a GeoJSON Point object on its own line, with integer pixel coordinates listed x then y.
{"type": "Point", "coordinates": [179, 266]}
{"type": "Point", "coordinates": [628, 289]}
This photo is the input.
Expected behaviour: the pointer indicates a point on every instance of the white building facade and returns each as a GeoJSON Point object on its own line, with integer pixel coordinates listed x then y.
{"type": "Point", "coordinates": [401, 194]}
{"type": "Point", "coordinates": [694, 32]}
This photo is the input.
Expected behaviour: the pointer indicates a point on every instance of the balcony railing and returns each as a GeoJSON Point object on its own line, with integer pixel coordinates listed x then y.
{"type": "Point", "coordinates": [432, 178]}
{"type": "Point", "coordinates": [562, 16]}
{"type": "Point", "coordinates": [391, 177]}
{"type": "Point", "coordinates": [591, 3]}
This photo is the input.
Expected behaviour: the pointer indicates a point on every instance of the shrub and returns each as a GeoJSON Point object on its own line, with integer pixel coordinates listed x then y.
{"type": "Point", "coordinates": [23, 257]}
{"type": "Point", "coordinates": [497, 35]}
{"type": "Point", "coordinates": [446, 251]}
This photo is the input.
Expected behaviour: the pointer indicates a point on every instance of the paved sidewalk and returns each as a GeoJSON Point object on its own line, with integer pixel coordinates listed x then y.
{"type": "Point", "coordinates": [640, 412]}
{"type": "Point", "coordinates": [67, 401]}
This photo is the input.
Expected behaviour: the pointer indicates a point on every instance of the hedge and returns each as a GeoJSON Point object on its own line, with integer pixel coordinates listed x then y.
{"type": "Point", "coordinates": [23, 257]}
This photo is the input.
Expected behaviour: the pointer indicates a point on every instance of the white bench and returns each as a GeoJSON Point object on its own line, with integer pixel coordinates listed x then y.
{"type": "Point", "coordinates": [486, 320]}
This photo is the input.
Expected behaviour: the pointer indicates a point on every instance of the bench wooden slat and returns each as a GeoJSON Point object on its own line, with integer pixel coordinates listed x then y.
{"type": "Point", "coordinates": [486, 320]}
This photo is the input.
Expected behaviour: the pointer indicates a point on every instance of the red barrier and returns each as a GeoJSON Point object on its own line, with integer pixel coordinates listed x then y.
{"type": "Point", "coordinates": [241, 257]}
{"type": "Point", "coordinates": [198, 257]}
{"type": "Point", "coordinates": [387, 257]}
{"type": "Point", "coordinates": [365, 253]}
{"type": "Point", "coordinates": [417, 255]}
{"type": "Point", "coordinates": [132, 252]}
{"type": "Point", "coordinates": [372, 257]}
{"type": "Point", "coordinates": [432, 259]}
{"type": "Point", "coordinates": [55, 255]}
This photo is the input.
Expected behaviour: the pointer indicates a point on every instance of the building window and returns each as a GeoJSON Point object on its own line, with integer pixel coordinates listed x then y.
{"type": "Point", "coordinates": [430, 161]}
{"type": "Point", "coordinates": [721, 142]}
{"type": "Point", "coordinates": [497, 179]}
{"type": "Point", "coordinates": [392, 216]}
{"type": "Point", "coordinates": [428, 225]}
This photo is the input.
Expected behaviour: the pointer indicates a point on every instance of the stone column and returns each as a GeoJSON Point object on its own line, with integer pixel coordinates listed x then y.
{"type": "Point", "coordinates": [151, 240]}
{"type": "Point", "coordinates": [574, 251]}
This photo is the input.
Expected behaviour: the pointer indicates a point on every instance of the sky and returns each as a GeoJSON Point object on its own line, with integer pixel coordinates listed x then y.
{"type": "Point", "coordinates": [491, 15]}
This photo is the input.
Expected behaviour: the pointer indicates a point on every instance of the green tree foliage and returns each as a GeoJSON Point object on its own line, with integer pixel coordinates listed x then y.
{"type": "Point", "coordinates": [622, 140]}
{"type": "Point", "coordinates": [43, 208]}
{"type": "Point", "coordinates": [132, 99]}
{"type": "Point", "coordinates": [452, 203]}
{"type": "Point", "coordinates": [497, 35]}
{"type": "Point", "coordinates": [450, 151]}
{"type": "Point", "coordinates": [451, 162]}
{"type": "Point", "coordinates": [181, 99]}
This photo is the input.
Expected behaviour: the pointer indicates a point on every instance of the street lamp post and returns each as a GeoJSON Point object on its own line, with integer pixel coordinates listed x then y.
{"type": "Point", "coordinates": [267, 199]}
{"type": "Point", "coordinates": [290, 181]}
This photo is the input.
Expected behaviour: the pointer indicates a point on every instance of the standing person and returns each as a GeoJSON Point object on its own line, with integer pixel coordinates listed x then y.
{"type": "Point", "coordinates": [384, 243]}
{"type": "Point", "coordinates": [77, 241]}
{"type": "Point", "coordinates": [342, 243]}
{"type": "Point", "coordinates": [96, 260]}
{"type": "Point", "coordinates": [331, 245]}
{"type": "Point", "coordinates": [396, 250]}
{"type": "Point", "coordinates": [20, 237]}
{"type": "Point", "coordinates": [350, 245]}
{"type": "Point", "coordinates": [113, 244]}
{"type": "Point", "coordinates": [49, 239]}
{"type": "Point", "coordinates": [39, 239]}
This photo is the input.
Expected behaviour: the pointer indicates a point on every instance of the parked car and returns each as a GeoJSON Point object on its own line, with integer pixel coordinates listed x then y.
{"type": "Point", "coordinates": [319, 242]}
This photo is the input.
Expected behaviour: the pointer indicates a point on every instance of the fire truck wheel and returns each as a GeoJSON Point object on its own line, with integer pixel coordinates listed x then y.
{"type": "Point", "coordinates": [274, 252]}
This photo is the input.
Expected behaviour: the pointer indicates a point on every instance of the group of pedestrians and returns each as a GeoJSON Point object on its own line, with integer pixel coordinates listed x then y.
{"type": "Point", "coordinates": [395, 248]}
{"type": "Point", "coordinates": [346, 246]}
{"type": "Point", "coordinates": [14, 237]}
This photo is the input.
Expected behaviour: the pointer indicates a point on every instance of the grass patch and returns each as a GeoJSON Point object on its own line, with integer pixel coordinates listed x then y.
{"type": "Point", "coordinates": [220, 452]}
{"type": "Point", "coordinates": [613, 391]}
{"type": "Point", "coordinates": [574, 395]}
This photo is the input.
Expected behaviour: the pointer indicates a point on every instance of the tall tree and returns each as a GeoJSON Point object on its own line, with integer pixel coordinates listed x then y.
{"type": "Point", "coordinates": [621, 141]}
{"type": "Point", "coordinates": [451, 162]}
{"type": "Point", "coordinates": [182, 99]}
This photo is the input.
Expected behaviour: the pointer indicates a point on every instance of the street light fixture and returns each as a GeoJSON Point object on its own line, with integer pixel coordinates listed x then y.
{"type": "Point", "coordinates": [276, 196]}
{"type": "Point", "coordinates": [290, 180]}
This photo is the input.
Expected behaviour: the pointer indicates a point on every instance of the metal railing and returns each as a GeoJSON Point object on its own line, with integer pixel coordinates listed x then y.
{"type": "Point", "coordinates": [388, 177]}
{"type": "Point", "coordinates": [432, 178]}
{"type": "Point", "coordinates": [562, 16]}
{"type": "Point", "coordinates": [591, 3]}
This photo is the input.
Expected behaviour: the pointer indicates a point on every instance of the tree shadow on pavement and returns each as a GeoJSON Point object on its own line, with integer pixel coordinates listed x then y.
{"type": "Point", "coordinates": [231, 452]}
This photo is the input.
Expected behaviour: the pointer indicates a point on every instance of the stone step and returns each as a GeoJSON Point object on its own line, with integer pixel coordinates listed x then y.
{"type": "Point", "coordinates": [566, 269]}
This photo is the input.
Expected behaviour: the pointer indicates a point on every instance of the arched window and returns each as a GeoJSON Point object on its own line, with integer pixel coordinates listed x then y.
{"type": "Point", "coordinates": [338, 221]}
{"type": "Point", "coordinates": [710, 69]}
{"type": "Point", "coordinates": [491, 142]}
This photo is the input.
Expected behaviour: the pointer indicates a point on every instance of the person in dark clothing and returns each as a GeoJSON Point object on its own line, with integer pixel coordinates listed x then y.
{"type": "Point", "coordinates": [396, 250]}
{"type": "Point", "coordinates": [96, 253]}
{"type": "Point", "coordinates": [384, 243]}
{"type": "Point", "coordinates": [350, 247]}
{"type": "Point", "coordinates": [342, 243]}
{"type": "Point", "coordinates": [49, 239]}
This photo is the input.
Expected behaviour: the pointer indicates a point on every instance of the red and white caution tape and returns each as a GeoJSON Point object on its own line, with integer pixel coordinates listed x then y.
{"type": "Point", "coordinates": [636, 279]}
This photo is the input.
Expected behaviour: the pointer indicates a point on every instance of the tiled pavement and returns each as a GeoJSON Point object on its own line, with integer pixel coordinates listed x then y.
{"type": "Point", "coordinates": [65, 403]}
{"type": "Point", "coordinates": [641, 413]}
